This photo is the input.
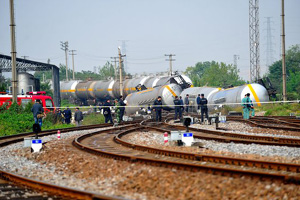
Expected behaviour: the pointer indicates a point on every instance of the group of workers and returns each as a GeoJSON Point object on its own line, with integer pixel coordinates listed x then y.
{"type": "Point", "coordinates": [181, 106]}
{"type": "Point", "coordinates": [119, 110]}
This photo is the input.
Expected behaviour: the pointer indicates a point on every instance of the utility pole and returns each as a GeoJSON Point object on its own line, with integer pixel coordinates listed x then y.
{"type": "Point", "coordinates": [73, 54]}
{"type": "Point", "coordinates": [14, 81]}
{"type": "Point", "coordinates": [235, 58]}
{"type": "Point", "coordinates": [120, 70]}
{"type": "Point", "coordinates": [283, 54]}
{"type": "Point", "coordinates": [24, 57]}
{"type": "Point", "coordinates": [170, 59]}
{"type": "Point", "coordinates": [115, 68]}
{"type": "Point", "coordinates": [125, 53]}
{"type": "Point", "coordinates": [269, 50]}
{"type": "Point", "coordinates": [65, 47]}
{"type": "Point", "coordinates": [254, 40]}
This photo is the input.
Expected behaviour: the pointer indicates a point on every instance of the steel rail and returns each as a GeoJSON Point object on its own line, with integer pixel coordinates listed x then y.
{"type": "Point", "coordinates": [255, 124]}
{"type": "Point", "coordinates": [108, 153]}
{"type": "Point", "coordinates": [65, 192]}
{"type": "Point", "coordinates": [243, 138]}
{"type": "Point", "coordinates": [289, 167]}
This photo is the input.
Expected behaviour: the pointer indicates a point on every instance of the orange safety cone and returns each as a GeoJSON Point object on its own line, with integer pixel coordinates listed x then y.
{"type": "Point", "coordinates": [165, 137]}
{"type": "Point", "coordinates": [58, 134]}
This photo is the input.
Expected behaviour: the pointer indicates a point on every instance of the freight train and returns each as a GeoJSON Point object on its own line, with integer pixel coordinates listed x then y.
{"type": "Point", "coordinates": [93, 92]}
{"type": "Point", "coordinates": [141, 101]}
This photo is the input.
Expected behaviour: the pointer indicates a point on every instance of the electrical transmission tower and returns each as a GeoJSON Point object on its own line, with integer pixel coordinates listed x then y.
{"type": "Point", "coordinates": [269, 50]}
{"type": "Point", "coordinates": [235, 58]}
{"type": "Point", "coordinates": [254, 40]}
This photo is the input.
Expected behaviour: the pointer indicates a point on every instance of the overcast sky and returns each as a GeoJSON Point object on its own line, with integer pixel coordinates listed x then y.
{"type": "Point", "coordinates": [194, 30]}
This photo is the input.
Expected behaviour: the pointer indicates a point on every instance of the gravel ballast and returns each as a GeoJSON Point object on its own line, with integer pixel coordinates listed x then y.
{"type": "Point", "coordinates": [60, 163]}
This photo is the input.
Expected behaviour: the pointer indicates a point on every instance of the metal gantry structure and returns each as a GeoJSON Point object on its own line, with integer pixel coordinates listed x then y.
{"type": "Point", "coordinates": [24, 65]}
{"type": "Point", "coordinates": [254, 40]}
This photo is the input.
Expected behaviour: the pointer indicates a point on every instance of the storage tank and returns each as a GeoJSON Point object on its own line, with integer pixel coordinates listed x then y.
{"type": "Point", "coordinates": [26, 83]}
{"type": "Point", "coordinates": [141, 100]}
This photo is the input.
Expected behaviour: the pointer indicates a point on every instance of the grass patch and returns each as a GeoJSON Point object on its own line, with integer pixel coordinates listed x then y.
{"type": "Point", "coordinates": [93, 118]}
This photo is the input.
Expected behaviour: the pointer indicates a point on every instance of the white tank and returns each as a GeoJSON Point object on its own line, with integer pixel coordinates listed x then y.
{"type": "Point", "coordinates": [141, 100]}
{"type": "Point", "coordinates": [231, 96]}
{"type": "Point", "coordinates": [67, 89]}
{"type": "Point", "coordinates": [26, 82]}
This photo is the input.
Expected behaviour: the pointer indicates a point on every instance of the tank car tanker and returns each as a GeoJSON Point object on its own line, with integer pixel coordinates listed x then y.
{"type": "Point", "coordinates": [83, 91]}
{"type": "Point", "coordinates": [215, 96]}
{"type": "Point", "coordinates": [231, 96]}
{"type": "Point", "coordinates": [140, 101]}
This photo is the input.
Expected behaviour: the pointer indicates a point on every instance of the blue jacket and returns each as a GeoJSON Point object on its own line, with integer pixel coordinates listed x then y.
{"type": "Point", "coordinates": [67, 113]}
{"type": "Point", "coordinates": [198, 100]}
{"type": "Point", "coordinates": [157, 105]}
{"type": "Point", "coordinates": [37, 108]}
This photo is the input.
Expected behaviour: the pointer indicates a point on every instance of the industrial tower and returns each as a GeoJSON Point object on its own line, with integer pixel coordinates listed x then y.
{"type": "Point", "coordinates": [254, 40]}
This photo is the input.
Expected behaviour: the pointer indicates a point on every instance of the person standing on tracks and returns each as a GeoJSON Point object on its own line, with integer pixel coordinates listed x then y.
{"type": "Point", "coordinates": [38, 112]}
{"type": "Point", "coordinates": [158, 107]}
{"type": "Point", "coordinates": [107, 112]}
{"type": "Point", "coordinates": [198, 102]}
{"type": "Point", "coordinates": [251, 109]}
{"type": "Point", "coordinates": [68, 115]}
{"type": "Point", "coordinates": [122, 107]}
{"type": "Point", "coordinates": [181, 103]}
{"type": "Point", "coordinates": [186, 103]}
{"type": "Point", "coordinates": [246, 105]}
{"type": "Point", "coordinates": [177, 108]}
{"type": "Point", "coordinates": [204, 109]}
{"type": "Point", "coordinates": [78, 116]}
{"type": "Point", "coordinates": [117, 110]}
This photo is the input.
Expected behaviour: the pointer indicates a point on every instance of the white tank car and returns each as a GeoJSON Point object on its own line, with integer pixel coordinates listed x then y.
{"type": "Point", "coordinates": [138, 101]}
{"type": "Point", "coordinates": [231, 96]}
{"type": "Point", "coordinates": [67, 89]}
{"type": "Point", "coordinates": [100, 90]}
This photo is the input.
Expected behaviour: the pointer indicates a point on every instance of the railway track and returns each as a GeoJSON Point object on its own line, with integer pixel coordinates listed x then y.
{"type": "Point", "coordinates": [279, 123]}
{"type": "Point", "coordinates": [20, 183]}
{"type": "Point", "coordinates": [226, 136]}
{"type": "Point", "coordinates": [108, 144]}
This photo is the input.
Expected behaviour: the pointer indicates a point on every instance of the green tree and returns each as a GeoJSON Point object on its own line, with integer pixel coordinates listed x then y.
{"type": "Point", "coordinates": [214, 74]}
{"type": "Point", "coordinates": [107, 71]}
{"type": "Point", "coordinates": [3, 84]}
{"type": "Point", "coordinates": [46, 87]}
{"type": "Point", "coordinates": [292, 73]}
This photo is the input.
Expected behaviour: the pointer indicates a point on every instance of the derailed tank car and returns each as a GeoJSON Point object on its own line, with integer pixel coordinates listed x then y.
{"type": "Point", "coordinates": [89, 92]}
{"type": "Point", "coordinates": [141, 101]}
{"type": "Point", "coordinates": [231, 96]}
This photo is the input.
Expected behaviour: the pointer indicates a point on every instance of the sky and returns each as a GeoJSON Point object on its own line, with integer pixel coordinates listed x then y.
{"type": "Point", "coordinates": [193, 30]}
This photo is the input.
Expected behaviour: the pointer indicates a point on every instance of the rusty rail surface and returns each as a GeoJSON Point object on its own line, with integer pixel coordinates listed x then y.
{"type": "Point", "coordinates": [110, 151]}
{"type": "Point", "coordinates": [64, 192]}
